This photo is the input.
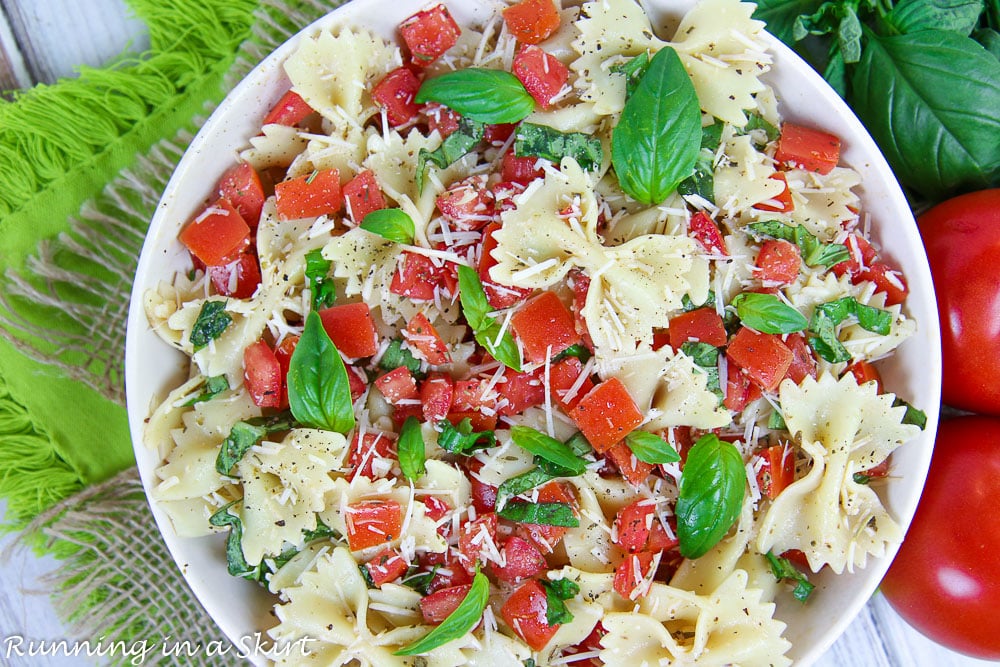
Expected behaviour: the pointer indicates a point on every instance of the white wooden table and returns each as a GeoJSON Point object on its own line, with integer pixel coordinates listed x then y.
{"type": "Point", "coordinates": [41, 40]}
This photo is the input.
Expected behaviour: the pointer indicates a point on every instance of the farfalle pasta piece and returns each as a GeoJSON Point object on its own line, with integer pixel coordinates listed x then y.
{"type": "Point", "coordinates": [823, 204]}
{"type": "Point", "coordinates": [742, 177]}
{"type": "Point", "coordinates": [343, 149]}
{"type": "Point", "coordinates": [831, 518]}
{"type": "Point", "coordinates": [276, 146]}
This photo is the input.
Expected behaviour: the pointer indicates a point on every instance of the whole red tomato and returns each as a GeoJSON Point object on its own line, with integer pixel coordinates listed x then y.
{"type": "Point", "coordinates": [962, 237]}
{"type": "Point", "coordinates": [945, 581]}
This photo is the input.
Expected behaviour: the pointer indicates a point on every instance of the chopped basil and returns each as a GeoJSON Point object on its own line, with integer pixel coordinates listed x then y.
{"type": "Point", "coordinates": [214, 386]}
{"type": "Point", "coordinates": [454, 147]}
{"type": "Point", "coordinates": [410, 449]}
{"type": "Point", "coordinates": [556, 592]}
{"type": "Point", "coordinates": [651, 448]}
{"type": "Point", "coordinates": [579, 444]}
{"type": "Point", "coordinates": [913, 415]}
{"type": "Point", "coordinates": [484, 95]}
{"type": "Point", "coordinates": [689, 305]}
{"type": "Point", "coordinates": [756, 122]}
{"type": "Point", "coordinates": [632, 70]}
{"type": "Point", "coordinates": [776, 422]}
{"type": "Point", "coordinates": [318, 278]}
{"type": "Point", "coordinates": [212, 321]}
{"type": "Point", "coordinates": [245, 434]}
{"type": "Point", "coordinates": [396, 355]}
{"type": "Point", "coordinates": [546, 514]}
{"type": "Point", "coordinates": [420, 581]}
{"type": "Point", "coordinates": [861, 478]}
{"type": "Point", "coordinates": [706, 358]}
{"type": "Point", "coordinates": [547, 448]}
{"type": "Point", "coordinates": [826, 317]}
{"type": "Point", "coordinates": [235, 560]}
{"type": "Point", "coordinates": [712, 486]}
{"type": "Point", "coordinates": [458, 623]}
{"type": "Point", "coordinates": [393, 224]}
{"type": "Point", "coordinates": [321, 532]}
{"type": "Point", "coordinates": [522, 483]}
{"type": "Point", "coordinates": [574, 350]}
{"type": "Point", "coordinates": [319, 391]}
{"type": "Point", "coordinates": [814, 252]}
{"type": "Point", "coordinates": [702, 181]}
{"type": "Point", "coordinates": [551, 144]}
{"type": "Point", "coordinates": [486, 330]}
{"type": "Point", "coordinates": [783, 569]}
{"type": "Point", "coordinates": [462, 439]}
{"type": "Point", "coordinates": [366, 575]}
{"type": "Point", "coordinates": [768, 314]}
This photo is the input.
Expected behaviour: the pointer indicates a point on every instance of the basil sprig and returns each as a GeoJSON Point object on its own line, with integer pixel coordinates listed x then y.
{"type": "Point", "coordinates": [814, 252]}
{"type": "Point", "coordinates": [651, 448]}
{"type": "Point", "coordinates": [393, 224]}
{"type": "Point", "coordinates": [710, 496]}
{"type": "Point", "coordinates": [211, 322]}
{"type": "Point", "coordinates": [547, 448]}
{"type": "Point", "coordinates": [319, 392]}
{"type": "Point", "coordinates": [455, 146]}
{"type": "Point", "coordinates": [657, 139]}
{"type": "Point", "coordinates": [319, 281]}
{"type": "Point", "coordinates": [781, 568]}
{"type": "Point", "coordinates": [458, 623]}
{"type": "Point", "coordinates": [547, 514]}
{"type": "Point", "coordinates": [549, 143]}
{"type": "Point", "coordinates": [706, 358]}
{"type": "Point", "coordinates": [557, 592]}
{"type": "Point", "coordinates": [476, 309]}
{"type": "Point", "coordinates": [245, 434]}
{"type": "Point", "coordinates": [214, 386]}
{"type": "Point", "coordinates": [827, 316]}
{"type": "Point", "coordinates": [410, 449]}
{"type": "Point", "coordinates": [768, 314]}
{"type": "Point", "coordinates": [485, 95]}
{"type": "Point", "coordinates": [462, 439]}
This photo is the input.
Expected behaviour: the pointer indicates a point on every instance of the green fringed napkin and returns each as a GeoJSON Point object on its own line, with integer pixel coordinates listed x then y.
{"type": "Point", "coordinates": [82, 166]}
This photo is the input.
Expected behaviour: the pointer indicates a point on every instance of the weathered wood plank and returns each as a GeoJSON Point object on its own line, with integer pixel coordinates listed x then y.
{"type": "Point", "coordinates": [13, 72]}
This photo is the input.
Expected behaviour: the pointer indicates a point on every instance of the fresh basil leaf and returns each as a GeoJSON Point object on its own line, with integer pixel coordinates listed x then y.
{"type": "Point", "coordinates": [860, 478]}
{"type": "Point", "coordinates": [393, 224]}
{"type": "Point", "coordinates": [632, 70]}
{"type": "Point", "coordinates": [522, 483]}
{"type": "Point", "coordinates": [242, 436]}
{"type": "Point", "coordinates": [574, 350]}
{"type": "Point", "coordinates": [548, 448]}
{"type": "Point", "coordinates": [869, 318]}
{"type": "Point", "coordinates": [849, 35]}
{"type": "Point", "coordinates": [913, 415]}
{"type": "Point", "coordinates": [702, 181]}
{"type": "Point", "coordinates": [658, 136]}
{"type": "Point", "coordinates": [768, 314]}
{"type": "Point", "coordinates": [211, 322]}
{"type": "Point", "coordinates": [458, 623]}
{"type": "Point", "coordinates": [556, 592]}
{"type": "Point", "coordinates": [549, 143]}
{"type": "Point", "coordinates": [780, 15]}
{"type": "Point", "coordinates": [827, 254]}
{"type": "Point", "coordinates": [959, 16]}
{"type": "Point", "coordinates": [485, 95]}
{"type": "Point", "coordinates": [462, 439]}
{"type": "Point", "coordinates": [905, 89]}
{"type": "Point", "coordinates": [546, 514]}
{"type": "Point", "coordinates": [711, 494]}
{"type": "Point", "coordinates": [825, 342]}
{"type": "Point", "coordinates": [706, 357]}
{"type": "Point", "coordinates": [410, 449]}
{"type": "Point", "coordinates": [579, 444]}
{"type": "Point", "coordinates": [776, 422]}
{"type": "Point", "coordinates": [689, 305]}
{"type": "Point", "coordinates": [835, 70]}
{"type": "Point", "coordinates": [318, 278]}
{"type": "Point", "coordinates": [420, 581]}
{"type": "Point", "coordinates": [214, 386]}
{"type": "Point", "coordinates": [813, 251]}
{"type": "Point", "coordinates": [564, 589]}
{"type": "Point", "coordinates": [454, 147]}
{"type": "Point", "coordinates": [236, 562]}
{"type": "Point", "coordinates": [486, 330]}
{"type": "Point", "coordinates": [321, 532]}
{"type": "Point", "coordinates": [396, 355]}
{"type": "Point", "coordinates": [755, 121]}
{"type": "Point", "coordinates": [319, 391]}
{"type": "Point", "coordinates": [990, 40]}
{"type": "Point", "coordinates": [783, 569]}
{"type": "Point", "coordinates": [651, 448]}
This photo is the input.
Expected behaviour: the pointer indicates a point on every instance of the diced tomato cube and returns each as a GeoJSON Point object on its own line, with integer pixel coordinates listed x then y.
{"type": "Point", "coordinates": [547, 537]}
{"type": "Point", "coordinates": [396, 93]}
{"type": "Point", "coordinates": [525, 613]}
{"type": "Point", "coordinates": [639, 529]}
{"type": "Point", "coordinates": [780, 203]}
{"type": "Point", "coordinates": [806, 148]}
{"type": "Point", "coordinates": [497, 135]}
{"type": "Point", "coordinates": [607, 414]}
{"type": "Point", "coordinates": [436, 395]}
{"type": "Point", "coordinates": [777, 470]}
{"type": "Point", "coordinates": [387, 566]}
{"type": "Point", "coordinates": [630, 573]}
{"type": "Point", "coordinates": [363, 196]}
{"type": "Point", "coordinates": [740, 391]}
{"type": "Point", "coordinates": [545, 327]}
{"type": "Point", "coordinates": [632, 469]}
{"type": "Point", "coordinates": [435, 508]}
{"type": "Point", "coordinates": [521, 559]}
{"type": "Point", "coordinates": [797, 557]}
{"type": "Point", "coordinates": [283, 353]}
{"type": "Point", "coordinates": [440, 604]}
{"type": "Point", "coordinates": [426, 341]}
{"type": "Point", "coordinates": [415, 277]}
{"type": "Point", "coordinates": [468, 204]}
{"type": "Point", "coordinates": [779, 262]}
{"type": "Point", "coordinates": [309, 196]}
{"type": "Point", "coordinates": [262, 375]}
{"type": "Point", "coordinates": [373, 522]}
{"type": "Point", "coordinates": [218, 235]}
{"type": "Point", "coordinates": [359, 382]}
{"type": "Point", "coordinates": [484, 496]}
{"type": "Point", "coordinates": [351, 328]}
{"type": "Point", "coordinates": [542, 74]}
{"type": "Point", "coordinates": [886, 280]}
{"type": "Point", "coordinates": [521, 390]}
{"type": "Point", "coordinates": [499, 296]}
{"type": "Point", "coordinates": [763, 357]}
{"type": "Point", "coordinates": [290, 110]}
{"type": "Point", "coordinates": [238, 279]}
{"type": "Point", "coordinates": [803, 362]}
{"type": "Point", "coordinates": [450, 572]}
{"type": "Point", "coordinates": [879, 471]}
{"type": "Point", "coordinates": [863, 372]}
{"type": "Point", "coordinates": [522, 170]}
{"type": "Point", "coordinates": [397, 385]}
{"type": "Point", "coordinates": [702, 325]}
{"type": "Point", "coordinates": [704, 230]}
{"type": "Point", "coordinates": [580, 282]}
{"type": "Point", "coordinates": [563, 377]}
{"type": "Point", "coordinates": [372, 455]}
{"type": "Point", "coordinates": [862, 255]}
{"type": "Point", "coordinates": [479, 420]}
{"type": "Point", "coordinates": [242, 187]}
{"type": "Point", "coordinates": [440, 118]}
{"type": "Point", "coordinates": [532, 21]}
{"type": "Point", "coordinates": [476, 537]}
{"type": "Point", "coordinates": [428, 34]}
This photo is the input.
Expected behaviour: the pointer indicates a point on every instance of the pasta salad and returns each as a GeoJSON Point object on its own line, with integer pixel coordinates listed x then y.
{"type": "Point", "coordinates": [538, 341]}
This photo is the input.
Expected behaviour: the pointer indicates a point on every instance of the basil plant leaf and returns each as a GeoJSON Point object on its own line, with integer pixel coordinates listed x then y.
{"type": "Point", "coordinates": [768, 314]}
{"type": "Point", "coordinates": [458, 623]}
{"type": "Point", "coordinates": [990, 40]}
{"type": "Point", "coordinates": [411, 449]}
{"type": "Point", "coordinates": [455, 146]}
{"type": "Point", "coordinates": [711, 494]}
{"type": "Point", "coordinates": [959, 16]}
{"type": "Point", "coordinates": [780, 15]}
{"type": "Point", "coordinates": [236, 562]}
{"type": "Point", "coordinates": [702, 181]}
{"type": "Point", "coordinates": [782, 568]}
{"type": "Point", "coordinates": [319, 392]}
{"type": "Point", "coordinates": [485, 95]}
{"type": "Point", "coordinates": [211, 322]}
{"type": "Point", "coordinates": [486, 330]}
{"type": "Point", "coordinates": [549, 143]}
{"type": "Point", "coordinates": [556, 592]}
{"type": "Point", "coordinates": [632, 70]}
{"type": "Point", "coordinates": [546, 514]}
{"type": "Point", "coordinates": [396, 355]}
{"type": "Point", "coordinates": [214, 386]}
{"type": "Point", "coordinates": [657, 139]}
{"type": "Point", "coordinates": [318, 278]}
{"type": "Point", "coordinates": [462, 439]}
{"type": "Point", "coordinates": [547, 448]}
{"type": "Point", "coordinates": [393, 224]}
{"type": "Point", "coordinates": [245, 434]}
{"type": "Point", "coordinates": [522, 483]}
{"type": "Point", "coordinates": [651, 448]}
{"type": "Point", "coordinates": [706, 358]}
{"type": "Point", "coordinates": [913, 415]}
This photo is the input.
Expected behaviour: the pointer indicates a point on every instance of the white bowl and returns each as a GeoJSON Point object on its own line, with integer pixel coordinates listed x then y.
{"type": "Point", "coordinates": [152, 368]}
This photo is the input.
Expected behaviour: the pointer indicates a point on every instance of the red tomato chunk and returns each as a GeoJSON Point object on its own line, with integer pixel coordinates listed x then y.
{"type": "Point", "coordinates": [476, 537]}
{"type": "Point", "coordinates": [415, 277]}
{"type": "Point", "coordinates": [607, 414]}
{"type": "Point", "coordinates": [545, 327]}
{"type": "Point", "coordinates": [371, 455]}
{"type": "Point", "coordinates": [631, 572]}
{"type": "Point", "coordinates": [521, 170]}
{"type": "Point", "coordinates": [436, 394]}
{"type": "Point", "coordinates": [363, 196]}
{"type": "Point", "coordinates": [763, 357]}
{"type": "Point", "coordinates": [532, 21]}
{"type": "Point", "coordinates": [525, 612]}
{"type": "Point", "coordinates": [864, 372]}
{"type": "Point", "coordinates": [468, 204]}
{"type": "Point", "coordinates": [563, 378]}
{"type": "Point", "coordinates": [290, 110]}
{"type": "Point", "coordinates": [521, 560]}
{"type": "Point", "coordinates": [373, 522]}
{"type": "Point", "coordinates": [395, 93]}
{"type": "Point", "coordinates": [428, 34]}
{"type": "Point", "coordinates": [777, 470]}
{"type": "Point", "coordinates": [262, 375]}
{"type": "Point", "coordinates": [779, 262]}
{"type": "Point", "coordinates": [385, 567]}
{"type": "Point", "coordinates": [639, 529]}
{"type": "Point", "coordinates": [242, 187]}
{"type": "Point", "coordinates": [440, 604]}
{"type": "Point", "coordinates": [807, 148]}
{"type": "Point", "coordinates": [544, 536]}
{"type": "Point", "coordinates": [351, 328]}
{"type": "Point", "coordinates": [803, 362]}
{"type": "Point", "coordinates": [218, 235]}
{"type": "Point", "coordinates": [309, 196]}
{"type": "Point", "coordinates": [780, 203]}
{"type": "Point", "coordinates": [740, 391]}
{"type": "Point", "coordinates": [498, 296]}
{"type": "Point", "coordinates": [703, 230]}
{"type": "Point", "coordinates": [632, 469]}
{"type": "Point", "coordinates": [237, 279]}
{"type": "Point", "coordinates": [397, 385]}
{"type": "Point", "coordinates": [426, 341]}
{"type": "Point", "coordinates": [702, 325]}
{"type": "Point", "coordinates": [542, 74]}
